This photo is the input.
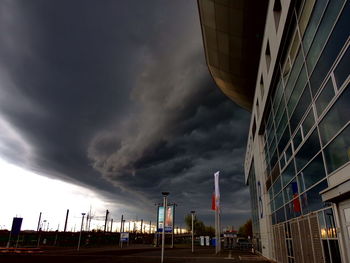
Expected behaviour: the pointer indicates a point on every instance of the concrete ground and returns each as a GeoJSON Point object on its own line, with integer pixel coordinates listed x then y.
{"type": "Point", "coordinates": [136, 254]}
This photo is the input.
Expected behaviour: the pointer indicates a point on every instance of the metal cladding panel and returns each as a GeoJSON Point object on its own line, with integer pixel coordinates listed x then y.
{"type": "Point", "coordinates": [306, 241]}
{"type": "Point", "coordinates": [296, 241]}
{"type": "Point", "coordinates": [283, 244]}
{"type": "Point", "coordinates": [316, 240]}
{"type": "Point", "coordinates": [232, 36]}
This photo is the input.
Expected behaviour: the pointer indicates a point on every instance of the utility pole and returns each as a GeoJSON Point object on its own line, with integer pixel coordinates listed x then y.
{"type": "Point", "coordinates": [165, 195]}
{"type": "Point", "coordinates": [150, 227]}
{"type": "Point", "coordinates": [141, 225]}
{"type": "Point", "coordinates": [107, 212]}
{"type": "Point", "coordinates": [111, 225]}
{"type": "Point", "coordinates": [65, 224]}
{"type": "Point", "coordinates": [81, 230]}
{"type": "Point", "coordinates": [39, 221]}
{"type": "Point", "coordinates": [121, 224]}
{"type": "Point", "coordinates": [192, 213]}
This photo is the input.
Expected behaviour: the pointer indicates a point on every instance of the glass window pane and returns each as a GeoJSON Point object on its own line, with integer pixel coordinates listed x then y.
{"type": "Point", "coordinates": [288, 173]}
{"type": "Point", "coordinates": [300, 109]}
{"type": "Point", "coordinates": [313, 173]}
{"type": "Point", "coordinates": [308, 150]}
{"type": "Point", "coordinates": [293, 209]}
{"type": "Point", "coordinates": [322, 224]}
{"type": "Point", "coordinates": [311, 200]}
{"type": "Point", "coordinates": [278, 95]}
{"type": "Point", "coordinates": [330, 224]}
{"type": "Point", "coordinates": [277, 185]}
{"type": "Point", "coordinates": [297, 91]}
{"type": "Point", "coordinates": [336, 117]}
{"type": "Point", "coordinates": [289, 152]}
{"type": "Point", "coordinates": [280, 217]}
{"type": "Point", "coordinates": [291, 191]}
{"type": "Point", "coordinates": [282, 161]}
{"type": "Point", "coordinates": [325, 97]}
{"type": "Point", "coordinates": [281, 126]}
{"type": "Point", "coordinates": [323, 31]}
{"type": "Point", "coordinates": [297, 139]}
{"type": "Point", "coordinates": [342, 71]}
{"type": "Point", "coordinates": [335, 43]}
{"type": "Point", "coordinates": [273, 218]}
{"type": "Point", "coordinates": [294, 74]}
{"type": "Point", "coordinates": [279, 113]}
{"type": "Point", "coordinates": [284, 139]}
{"type": "Point", "coordinates": [334, 248]}
{"type": "Point", "coordinates": [278, 200]}
{"type": "Point", "coordinates": [313, 23]}
{"type": "Point", "coordinates": [308, 122]}
{"type": "Point", "coordinates": [337, 152]}
{"type": "Point", "coordinates": [326, 251]}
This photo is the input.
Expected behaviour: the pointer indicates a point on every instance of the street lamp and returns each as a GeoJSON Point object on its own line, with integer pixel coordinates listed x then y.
{"type": "Point", "coordinates": [192, 214]}
{"type": "Point", "coordinates": [81, 230]}
{"type": "Point", "coordinates": [165, 195]}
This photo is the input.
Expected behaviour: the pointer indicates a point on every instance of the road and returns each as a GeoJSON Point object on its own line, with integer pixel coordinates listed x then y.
{"type": "Point", "coordinates": [131, 255]}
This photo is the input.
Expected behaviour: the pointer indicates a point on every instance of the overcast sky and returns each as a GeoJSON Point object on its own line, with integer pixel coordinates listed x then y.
{"type": "Point", "coordinates": [115, 97]}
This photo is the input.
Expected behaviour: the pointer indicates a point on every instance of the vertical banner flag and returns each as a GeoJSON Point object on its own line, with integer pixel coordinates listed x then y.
{"type": "Point", "coordinates": [217, 191]}
{"type": "Point", "coordinates": [296, 203]}
{"type": "Point", "coordinates": [166, 222]}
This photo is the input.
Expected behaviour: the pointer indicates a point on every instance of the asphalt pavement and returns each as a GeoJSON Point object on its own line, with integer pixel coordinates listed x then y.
{"type": "Point", "coordinates": [136, 254]}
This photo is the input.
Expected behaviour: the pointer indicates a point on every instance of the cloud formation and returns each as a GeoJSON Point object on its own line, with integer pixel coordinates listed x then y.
{"type": "Point", "coordinates": [118, 97]}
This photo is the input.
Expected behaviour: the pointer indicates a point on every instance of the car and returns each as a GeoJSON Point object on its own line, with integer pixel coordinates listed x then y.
{"type": "Point", "coordinates": [244, 243]}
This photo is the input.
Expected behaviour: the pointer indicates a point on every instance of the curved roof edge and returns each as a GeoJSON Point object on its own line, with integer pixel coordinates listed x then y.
{"type": "Point", "coordinates": [232, 36]}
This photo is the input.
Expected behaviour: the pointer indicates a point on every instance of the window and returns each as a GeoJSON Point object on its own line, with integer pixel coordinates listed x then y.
{"type": "Point", "coordinates": [311, 200]}
{"type": "Point", "coordinates": [334, 45]}
{"type": "Point", "coordinates": [336, 117]}
{"type": "Point", "coordinates": [308, 150]}
{"type": "Point", "coordinates": [337, 152]}
{"type": "Point", "coordinates": [308, 122]}
{"type": "Point", "coordinates": [341, 73]}
{"type": "Point", "coordinates": [313, 173]}
{"type": "Point", "coordinates": [325, 97]}
{"type": "Point", "coordinates": [288, 173]}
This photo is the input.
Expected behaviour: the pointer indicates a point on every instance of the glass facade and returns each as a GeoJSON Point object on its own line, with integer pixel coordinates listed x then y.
{"type": "Point", "coordinates": [307, 131]}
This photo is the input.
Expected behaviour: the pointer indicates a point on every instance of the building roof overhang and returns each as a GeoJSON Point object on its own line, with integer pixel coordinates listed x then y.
{"type": "Point", "coordinates": [232, 32]}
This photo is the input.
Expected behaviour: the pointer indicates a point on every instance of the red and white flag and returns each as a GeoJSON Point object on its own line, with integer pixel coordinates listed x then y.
{"type": "Point", "coordinates": [215, 201]}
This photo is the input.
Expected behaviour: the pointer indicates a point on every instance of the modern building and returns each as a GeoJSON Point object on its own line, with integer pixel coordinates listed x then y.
{"type": "Point", "coordinates": [288, 62]}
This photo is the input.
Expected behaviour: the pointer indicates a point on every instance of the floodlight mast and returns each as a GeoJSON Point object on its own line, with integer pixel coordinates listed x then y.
{"type": "Point", "coordinates": [165, 196]}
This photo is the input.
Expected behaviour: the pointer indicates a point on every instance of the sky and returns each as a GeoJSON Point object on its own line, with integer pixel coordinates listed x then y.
{"type": "Point", "coordinates": [106, 106]}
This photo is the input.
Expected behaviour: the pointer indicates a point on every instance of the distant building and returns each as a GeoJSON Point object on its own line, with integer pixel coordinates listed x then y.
{"type": "Point", "coordinates": [288, 63]}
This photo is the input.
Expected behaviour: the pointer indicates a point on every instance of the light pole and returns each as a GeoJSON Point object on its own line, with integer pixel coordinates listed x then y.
{"type": "Point", "coordinates": [192, 214]}
{"type": "Point", "coordinates": [165, 195]}
{"type": "Point", "coordinates": [81, 230]}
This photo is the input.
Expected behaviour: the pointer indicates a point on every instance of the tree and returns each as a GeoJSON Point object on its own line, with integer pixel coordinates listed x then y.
{"type": "Point", "coordinates": [246, 229]}
{"type": "Point", "coordinates": [200, 229]}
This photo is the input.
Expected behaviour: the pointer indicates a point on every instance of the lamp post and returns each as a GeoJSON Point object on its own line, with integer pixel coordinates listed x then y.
{"type": "Point", "coordinates": [81, 230]}
{"type": "Point", "coordinates": [165, 195]}
{"type": "Point", "coordinates": [192, 214]}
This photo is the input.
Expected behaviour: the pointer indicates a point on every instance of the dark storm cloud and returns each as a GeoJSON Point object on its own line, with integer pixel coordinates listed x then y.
{"type": "Point", "coordinates": [117, 96]}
